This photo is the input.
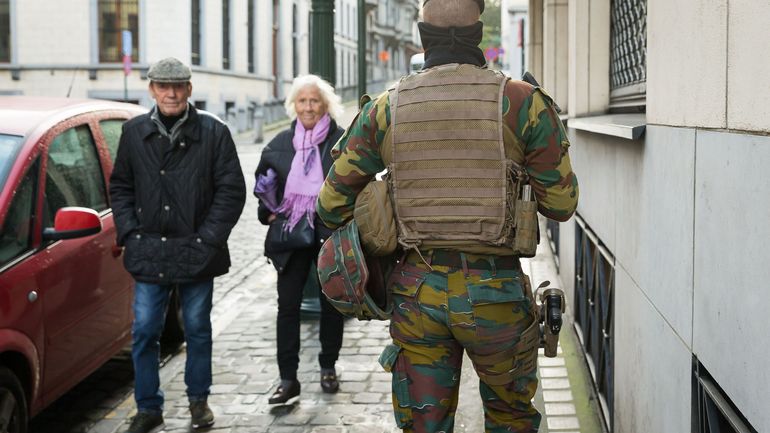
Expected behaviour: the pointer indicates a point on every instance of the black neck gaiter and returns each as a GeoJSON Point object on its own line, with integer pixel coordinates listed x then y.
{"type": "Point", "coordinates": [452, 44]}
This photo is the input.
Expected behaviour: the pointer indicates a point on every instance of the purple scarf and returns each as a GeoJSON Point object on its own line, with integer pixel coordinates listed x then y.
{"type": "Point", "coordinates": [306, 175]}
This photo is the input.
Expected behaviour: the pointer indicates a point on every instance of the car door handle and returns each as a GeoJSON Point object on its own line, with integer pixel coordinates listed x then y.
{"type": "Point", "coordinates": [116, 251]}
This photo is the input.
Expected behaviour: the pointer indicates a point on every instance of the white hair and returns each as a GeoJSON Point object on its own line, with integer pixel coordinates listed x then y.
{"type": "Point", "coordinates": [332, 101]}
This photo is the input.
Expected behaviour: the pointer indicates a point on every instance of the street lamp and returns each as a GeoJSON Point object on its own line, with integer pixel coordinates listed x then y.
{"type": "Point", "coordinates": [361, 48]}
{"type": "Point", "coordinates": [321, 64]}
{"type": "Point", "coordinates": [322, 40]}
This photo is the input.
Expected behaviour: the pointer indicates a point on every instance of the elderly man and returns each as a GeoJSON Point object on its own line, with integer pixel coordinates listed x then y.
{"type": "Point", "coordinates": [177, 190]}
{"type": "Point", "coordinates": [465, 148]}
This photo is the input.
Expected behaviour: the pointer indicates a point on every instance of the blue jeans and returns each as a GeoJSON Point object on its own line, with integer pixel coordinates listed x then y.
{"type": "Point", "coordinates": [150, 303]}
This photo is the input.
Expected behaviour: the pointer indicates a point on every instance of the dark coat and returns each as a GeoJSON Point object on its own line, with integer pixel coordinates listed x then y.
{"type": "Point", "coordinates": [175, 204]}
{"type": "Point", "coordinates": [278, 155]}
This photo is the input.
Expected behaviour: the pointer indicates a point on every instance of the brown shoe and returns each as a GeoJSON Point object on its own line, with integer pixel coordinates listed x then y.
{"type": "Point", "coordinates": [201, 414]}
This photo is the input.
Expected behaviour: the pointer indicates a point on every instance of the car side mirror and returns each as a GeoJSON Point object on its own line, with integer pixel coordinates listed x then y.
{"type": "Point", "coordinates": [73, 222]}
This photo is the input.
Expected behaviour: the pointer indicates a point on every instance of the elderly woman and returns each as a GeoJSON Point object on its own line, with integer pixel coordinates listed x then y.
{"type": "Point", "coordinates": [295, 163]}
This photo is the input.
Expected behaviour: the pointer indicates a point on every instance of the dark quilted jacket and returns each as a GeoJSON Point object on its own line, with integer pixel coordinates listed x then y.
{"type": "Point", "coordinates": [175, 203]}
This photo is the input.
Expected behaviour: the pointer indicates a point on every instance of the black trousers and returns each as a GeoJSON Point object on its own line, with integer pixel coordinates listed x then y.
{"type": "Point", "coordinates": [291, 283]}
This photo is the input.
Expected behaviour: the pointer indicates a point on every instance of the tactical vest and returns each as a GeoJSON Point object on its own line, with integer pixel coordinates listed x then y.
{"type": "Point", "coordinates": [452, 186]}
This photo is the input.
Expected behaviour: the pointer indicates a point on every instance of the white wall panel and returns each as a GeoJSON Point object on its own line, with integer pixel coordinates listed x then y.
{"type": "Point", "coordinates": [748, 71]}
{"type": "Point", "coordinates": [655, 217]}
{"type": "Point", "coordinates": [594, 162]}
{"type": "Point", "coordinates": [652, 366]}
{"type": "Point", "coordinates": [686, 62]}
{"type": "Point", "coordinates": [732, 267]}
{"type": "Point", "coordinates": [176, 40]}
{"type": "Point", "coordinates": [44, 33]}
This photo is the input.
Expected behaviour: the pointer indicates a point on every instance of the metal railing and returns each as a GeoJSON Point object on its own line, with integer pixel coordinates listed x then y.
{"type": "Point", "coordinates": [713, 412]}
{"type": "Point", "coordinates": [594, 293]}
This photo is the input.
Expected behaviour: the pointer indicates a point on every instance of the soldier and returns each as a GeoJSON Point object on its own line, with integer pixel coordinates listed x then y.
{"type": "Point", "coordinates": [463, 145]}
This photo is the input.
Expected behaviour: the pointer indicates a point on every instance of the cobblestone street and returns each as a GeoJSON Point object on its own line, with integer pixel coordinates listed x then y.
{"type": "Point", "coordinates": [246, 372]}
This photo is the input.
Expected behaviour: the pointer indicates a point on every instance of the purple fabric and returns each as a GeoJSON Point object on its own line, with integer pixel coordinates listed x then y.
{"type": "Point", "coordinates": [266, 188]}
{"type": "Point", "coordinates": [306, 174]}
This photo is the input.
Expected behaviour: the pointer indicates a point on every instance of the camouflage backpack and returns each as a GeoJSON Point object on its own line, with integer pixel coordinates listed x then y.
{"type": "Point", "coordinates": [355, 284]}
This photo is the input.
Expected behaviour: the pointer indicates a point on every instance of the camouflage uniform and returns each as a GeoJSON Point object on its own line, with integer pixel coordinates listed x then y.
{"type": "Point", "coordinates": [460, 300]}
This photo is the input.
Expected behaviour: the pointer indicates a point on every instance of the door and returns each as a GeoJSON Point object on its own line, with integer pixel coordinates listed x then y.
{"type": "Point", "coordinates": [84, 288]}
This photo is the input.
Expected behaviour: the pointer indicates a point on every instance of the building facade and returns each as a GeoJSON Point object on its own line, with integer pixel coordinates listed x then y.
{"type": "Point", "coordinates": [514, 37]}
{"type": "Point", "coordinates": [666, 260]}
{"type": "Point", "coordinates": [244, 53]}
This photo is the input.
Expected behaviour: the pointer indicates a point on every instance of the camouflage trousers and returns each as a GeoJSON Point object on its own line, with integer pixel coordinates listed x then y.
{"type": "Point", "coordinates": [476, 306]}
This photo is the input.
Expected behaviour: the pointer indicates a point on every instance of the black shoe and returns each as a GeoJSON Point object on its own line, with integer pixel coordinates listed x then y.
{"type": "Point", "coordinates": [329, 382]}
{"type": "Point", "coordinates": [201, 414]}
{"type": "Point", "coordinates": [287, 390]}
{"type": "Point", "coordinates": [146, 422]}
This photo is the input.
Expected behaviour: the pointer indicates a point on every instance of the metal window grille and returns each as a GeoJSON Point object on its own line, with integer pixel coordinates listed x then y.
{"type": "Point", "coordinates": [114, 17]}
{"type": "Point", "coordinates": [628, 49]}
{"type": "Point", "coordinates": [594, 292]}
{"type": "Point", "coordinates": [552, 231]}
{"type": "Point", "coordinates": [5, 31]}
{"type": "Point", "coordinates": [196, 32]}
{"type": "Point", "coordinates": [713, 412]}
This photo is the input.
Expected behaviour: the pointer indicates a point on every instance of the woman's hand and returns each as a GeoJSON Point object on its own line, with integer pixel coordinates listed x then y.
{"type": "Point", "coordinates": [271, 218]}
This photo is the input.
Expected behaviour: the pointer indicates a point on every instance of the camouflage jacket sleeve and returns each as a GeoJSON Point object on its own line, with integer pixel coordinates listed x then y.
{"type": "Point", "coordinates": [545, 143]}
{"type": "Point", "coordinates": [356, 161]}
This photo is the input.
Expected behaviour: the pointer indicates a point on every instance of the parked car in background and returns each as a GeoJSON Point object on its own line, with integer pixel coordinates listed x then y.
{"type": "Point", "coordinates": [65, 298]}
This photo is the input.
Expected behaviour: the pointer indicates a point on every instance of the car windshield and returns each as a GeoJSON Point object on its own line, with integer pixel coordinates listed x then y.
{"type": "Point", "coordinates": [9, 147]}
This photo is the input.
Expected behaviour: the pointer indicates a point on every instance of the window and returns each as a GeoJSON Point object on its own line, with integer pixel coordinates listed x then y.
{"type": "Point", "coordinates": [225, 34]}
{"type": "Point", "coordinates": [114, 17]}
{"type": "Point", "coordinates": [594, 318]}
{"type": "Point", "coordinates": [5, 31]}
{"type": "Point", "coordinates": [251, 35]}
{"type": "Point", "coordinates": [628, 52]}
{"type": "Point", "coordinates": [111, 129]}
{"type": "Point", "coordinates": [295, 40]}
{"type": "Point", "coordinates": [73, 174]}
{"type": "Point", "coordinates": [195, 35]}
{"type": "Point", "coordinates": [276, 33]}
{"type": "Point", "coordinates": [16, 235]}
{"type": "Point", "coordinates": [9, 148]}
{"type": "Point", "coordinates": [713, 411]}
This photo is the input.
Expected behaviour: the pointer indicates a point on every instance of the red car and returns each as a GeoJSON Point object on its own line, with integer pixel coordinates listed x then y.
{"type": "Point", "coordinates": [65, 298]}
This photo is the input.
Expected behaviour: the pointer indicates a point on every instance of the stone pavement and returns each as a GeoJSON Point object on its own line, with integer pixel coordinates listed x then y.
{"type": "Point", "coordinates": [246, 372]}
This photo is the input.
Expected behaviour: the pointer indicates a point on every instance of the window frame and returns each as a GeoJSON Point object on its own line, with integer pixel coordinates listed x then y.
{"type": "Point", "coordinates": [7, 32]}
{"type": "Point", "coordinates": [98, 153]}
{"type": "Point", "coordinates": [196, 35]}
{"type": "Point", "coordinates": [106, 57]}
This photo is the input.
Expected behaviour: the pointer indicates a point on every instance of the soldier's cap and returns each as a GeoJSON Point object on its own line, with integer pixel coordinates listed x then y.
{"type": "Point", "coordinates": [169, 70]}
{"type": "Point", "coordinates": [480, 3]}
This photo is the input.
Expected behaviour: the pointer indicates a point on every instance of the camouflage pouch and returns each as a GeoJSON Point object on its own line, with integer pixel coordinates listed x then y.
{"type": "Point", "coordinates": [376, 222]}
{"type": "Point", "coordinates": [525, 223]}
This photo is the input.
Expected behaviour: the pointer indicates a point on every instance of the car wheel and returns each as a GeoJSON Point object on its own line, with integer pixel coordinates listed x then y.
{"type": "Point", "coordinates": [173, 330]}
{"type": "Point", "coordinates": [13, 403]}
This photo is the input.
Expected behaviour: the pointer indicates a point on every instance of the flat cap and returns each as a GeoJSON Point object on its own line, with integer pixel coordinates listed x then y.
{"type": "Point", "coordinates": [169, 70]}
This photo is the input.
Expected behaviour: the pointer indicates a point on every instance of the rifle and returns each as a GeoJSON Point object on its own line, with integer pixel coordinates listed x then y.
{"type": "Point", "coordinates": [529, 78]}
